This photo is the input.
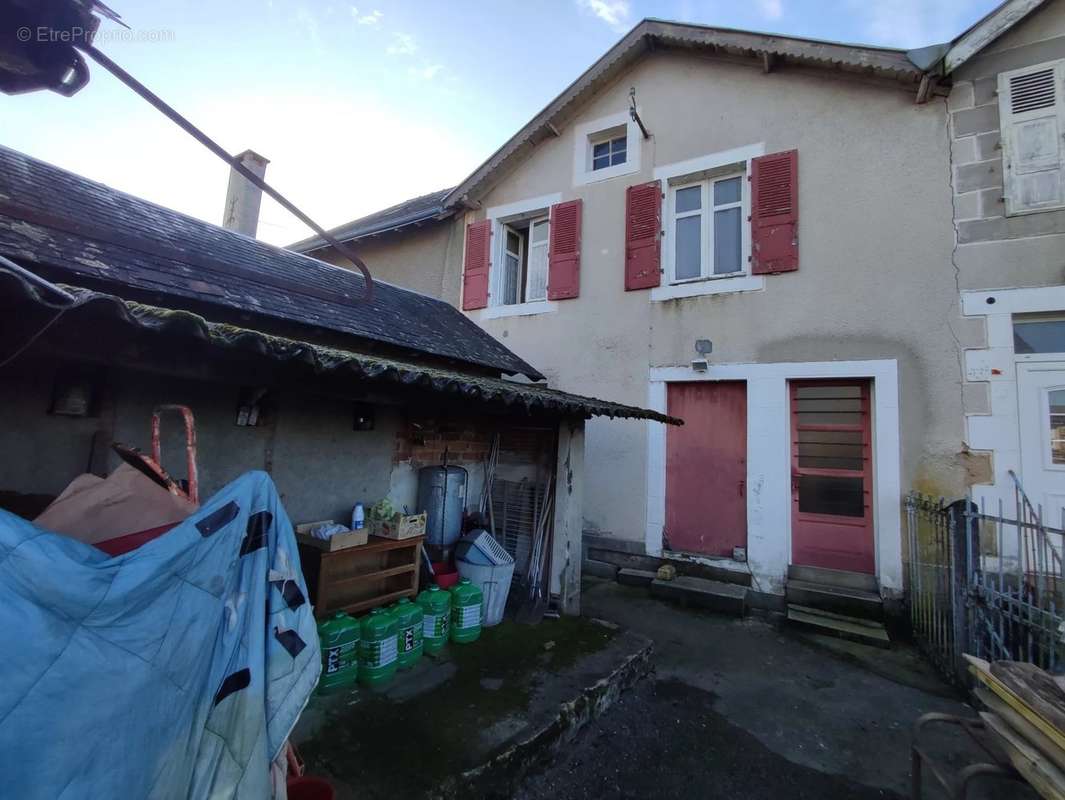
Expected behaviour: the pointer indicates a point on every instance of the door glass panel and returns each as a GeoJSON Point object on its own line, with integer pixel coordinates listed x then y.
{"type": "Point", "coordinates": [1057, 426]}
{"type": "Point", "coordinates": [689, 245]}
{"type": "Point", "coordinates": [726, 240]}
{"type": "Point", "coordinates": [1044, 336]}
{"type": "Point", "coordinates": [841, 497]}
{"type": "Point", "coordinates": [829, 405]}
{"type": "Point", "coordinates": [831, 450]}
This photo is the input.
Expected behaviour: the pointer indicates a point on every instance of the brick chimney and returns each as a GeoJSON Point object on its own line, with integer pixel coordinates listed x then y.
{"type": "Point", "coordinates": [243, 198]}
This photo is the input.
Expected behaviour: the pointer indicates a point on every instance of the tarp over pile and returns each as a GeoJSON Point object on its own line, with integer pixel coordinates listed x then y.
{"type": "Point", "coordinates": [173, 671]}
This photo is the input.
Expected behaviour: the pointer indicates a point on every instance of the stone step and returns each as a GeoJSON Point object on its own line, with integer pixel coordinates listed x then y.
{"type": "Point", "coordinates": [727, 598]}
{"type": "Point", "coordinates": [834, 577]}
{"type": "Point", "coordinates": [837, 599]}
{"type": "Point", "coordinates": [600, 569]}
{"type": "Point", "coordinates": [853, 629]}
{"type": "Point", "coordinates": [636, 577]}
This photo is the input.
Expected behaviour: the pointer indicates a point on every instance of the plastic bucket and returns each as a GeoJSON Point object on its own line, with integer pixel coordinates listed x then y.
{"type": "Point", "coordinates": [310, 788]}
{"type": "Point", "coordinates": [494, 583]}
{"type": "Point", "coordinates": [444, 575]}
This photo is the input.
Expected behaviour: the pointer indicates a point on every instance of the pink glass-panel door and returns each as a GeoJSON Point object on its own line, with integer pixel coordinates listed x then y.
{"type": "Point", "coordinates": [831, 476]}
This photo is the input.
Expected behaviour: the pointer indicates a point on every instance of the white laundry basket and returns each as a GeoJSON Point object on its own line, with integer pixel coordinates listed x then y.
{"type": "Point", "coordinates": [494, 583]}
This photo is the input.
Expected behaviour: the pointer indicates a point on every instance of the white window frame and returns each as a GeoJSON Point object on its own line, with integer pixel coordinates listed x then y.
{"type": "Point", "coordinates": [706, 212]}
{"type": "Point", "coordinates": [608, 138]}
{"type": "Point", "coordinates": [536, 208]}
{"type": "Point", "coordinates": [712, 165]}
{"type": "Point", "coordinates": [1007, 122]}
{"type": "Point", "coordinates": [545, 246]}
{"type": "Point", "coordinates": [588, 134]}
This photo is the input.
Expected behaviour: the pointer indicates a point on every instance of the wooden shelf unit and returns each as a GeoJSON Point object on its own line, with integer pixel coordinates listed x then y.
{"type": "Point", "coordinates": [359, 578]}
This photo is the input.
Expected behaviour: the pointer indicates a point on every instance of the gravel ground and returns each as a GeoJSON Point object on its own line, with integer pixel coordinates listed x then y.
{"type": "Point", "coordinates": [663, 739]}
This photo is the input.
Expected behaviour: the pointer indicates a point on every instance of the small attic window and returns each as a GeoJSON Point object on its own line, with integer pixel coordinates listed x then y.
{"type": "Point", "coordinates": [609, 150]}
{"type": "Point", "coordinates": [605, 148]}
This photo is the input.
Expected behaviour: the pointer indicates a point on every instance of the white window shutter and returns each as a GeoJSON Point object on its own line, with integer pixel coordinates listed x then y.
{"type": "Point", "coordinates": [1032, 114]}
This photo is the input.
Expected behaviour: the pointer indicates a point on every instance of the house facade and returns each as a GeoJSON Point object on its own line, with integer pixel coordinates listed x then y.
{"type": "Point", "coordinates": [756, 234]}
{"type": "Point", "coordinates": [1007, 122]}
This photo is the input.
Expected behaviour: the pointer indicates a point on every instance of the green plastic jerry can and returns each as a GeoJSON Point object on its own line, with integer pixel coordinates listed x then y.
{"type": "Point", "coordinates": [339, 637]}
{"type": "Point", "coordinates": [409, 633]}
{"type": "Point", "coordinates": [465, 612]}
{"type": "Point", "coordinates": [436, 603]}
{"type": "Point", "coordinates": [377, 648]}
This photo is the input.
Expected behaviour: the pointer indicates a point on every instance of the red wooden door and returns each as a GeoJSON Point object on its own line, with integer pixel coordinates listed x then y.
{"type": "Point", "coordinates": [831, 475]}
{"type": "Point", "coordinates": [706, 468]}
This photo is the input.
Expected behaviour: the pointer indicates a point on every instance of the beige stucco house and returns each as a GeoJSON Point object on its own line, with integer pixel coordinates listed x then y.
{"type": "Point", "coordinates": [784, 241]}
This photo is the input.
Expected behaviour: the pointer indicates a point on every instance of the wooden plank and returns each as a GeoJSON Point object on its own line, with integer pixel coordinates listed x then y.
{"type": "Point", "coordinates": [1043, 776]}
{"type": "Point", "coordinates": [374, 602]}
{"type": "Point", "coordinates": [987, 30]}
{"type": "Point", "coordinates": [1035, 687]}
{"type": "Point", "coordinates": [1026, 729]}
{"type": "Point", "coordinates": [381, 573]}
{"type": "Point", "coordinates": [982, 670]}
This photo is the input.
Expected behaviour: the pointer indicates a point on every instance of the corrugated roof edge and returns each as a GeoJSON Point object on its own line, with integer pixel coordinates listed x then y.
{"type": "Point", "coordinates": [426, 207]}
{"type": "Point", "coordinates": [531, 397]}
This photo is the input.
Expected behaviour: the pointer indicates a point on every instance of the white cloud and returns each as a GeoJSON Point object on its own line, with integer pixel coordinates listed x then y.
{"type": "Point", "coordinates": [403, 44]}
{"type": "Point", "coordinates": [614, 13]}
{"type": "Point", "coordinates": [426, 73]}
{"type": "Point", "coordinates": [771, 9]}
{"type": "Point", "coordinates": [371, 18]}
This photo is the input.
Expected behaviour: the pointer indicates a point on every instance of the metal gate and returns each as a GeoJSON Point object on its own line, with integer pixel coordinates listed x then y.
{"type": "Point", "coordinates": [989, 582]}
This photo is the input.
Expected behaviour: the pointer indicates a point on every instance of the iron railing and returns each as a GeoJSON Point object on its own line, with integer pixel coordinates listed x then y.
{"type": "Point", "coordinates": [986, 582]}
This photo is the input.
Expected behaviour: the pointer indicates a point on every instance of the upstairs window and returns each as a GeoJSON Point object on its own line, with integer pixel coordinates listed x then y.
{"type": "Point", "coordinates": [522, 277]}
{"type": "Point", "coordinates": [706, 228]}
{"type": "Point", "coordinates": [1032, 114]}
{"type": "Point", "coordinates": [609, 153]}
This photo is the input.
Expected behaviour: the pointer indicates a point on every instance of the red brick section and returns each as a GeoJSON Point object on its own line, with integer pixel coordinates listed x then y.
{"type": "Point", "coordinates": [423, 443]}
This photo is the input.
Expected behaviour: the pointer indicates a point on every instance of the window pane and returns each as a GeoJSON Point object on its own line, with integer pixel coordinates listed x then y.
{"type": "Point", "coordinates": [1057, 426]}
{"type": "Point", "coordinates": [537, 287]}
{"type": "Point", "coordinates": [839, 496]}
{"type": "Point", "coordinates": [1047, 336]}
{"type": "Point", "coordinates": [539, 231]}
{"type": "Point", "coordinates": [511, 277]}
{"type": "Point", "coordinates": [690, 199]}
{"type": "Point", "coordinates": [689, 246]}
{"type": "Point", "coordinates": [618, 151]}
{"type": "Point", "coordinates": [618, 157]}
{"type": "Point", "coordinates": [727, 191]}
{"type": "Point", "coordinates": [727, 241]}
{"type": "Point", "coordinates": [601, 161]}
{"type": "Point", "coordinates": [513, 241]}
{"type": "Point", "coordinates": [601, 149]}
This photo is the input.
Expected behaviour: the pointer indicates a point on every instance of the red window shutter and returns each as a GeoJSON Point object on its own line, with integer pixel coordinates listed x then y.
{"type": "Point", "coordinates": [475, 268]}
{"type": "Point", "coordinates": [775, 213]}
{"type": "Point", "coordinates": [643, 245]}
{"type": "Point", "coordinates": [564, 251]}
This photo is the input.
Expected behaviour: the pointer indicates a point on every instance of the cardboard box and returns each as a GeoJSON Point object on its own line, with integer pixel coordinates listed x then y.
{"type": "Point", "coordinates": [338, 541]}
{"type": "Point", "coordinates": [401, 526]}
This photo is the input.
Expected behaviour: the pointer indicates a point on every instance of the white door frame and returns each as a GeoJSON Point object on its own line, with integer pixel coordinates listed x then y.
{"type": "Point", "coordinates": [769, 461]}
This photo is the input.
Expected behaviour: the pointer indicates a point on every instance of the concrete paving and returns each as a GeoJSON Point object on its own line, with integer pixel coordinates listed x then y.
{"type": "Point", "coordinates": [741, 708]}
{"type": "Point", "coordinates": [470, 721]}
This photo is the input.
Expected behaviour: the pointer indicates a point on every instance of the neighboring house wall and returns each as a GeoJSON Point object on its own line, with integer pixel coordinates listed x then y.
{"type": "Point", "coordinates": [874, 297]}
{"type": "Point", "coordinates": [413, 258]}
{"type": "Point", "coordinates": [1021, 257]}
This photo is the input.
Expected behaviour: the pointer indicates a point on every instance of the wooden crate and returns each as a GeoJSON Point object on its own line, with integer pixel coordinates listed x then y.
{"type": "Point", "coordinates": [401, 526]}
{"type": "Point", "coordinates": [338, 541]}
{"type": "Point", "coordinates": [357, 579]}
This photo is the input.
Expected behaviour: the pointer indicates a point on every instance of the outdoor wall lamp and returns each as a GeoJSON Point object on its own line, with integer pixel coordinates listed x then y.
{"type": "Point", "coordinates": [703, 347]}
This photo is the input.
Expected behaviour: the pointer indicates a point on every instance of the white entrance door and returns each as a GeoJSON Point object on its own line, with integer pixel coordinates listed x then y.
{"type": "Point", "coordinates": [1041, 399]}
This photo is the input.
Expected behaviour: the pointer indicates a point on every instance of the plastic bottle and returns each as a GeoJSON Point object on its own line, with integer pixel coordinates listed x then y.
{"type": "Point", "coordinates": [436, 603]}
{"type": "Point", "coordinates": [358, 517]}
{"type": "Point", "coordinates": [339, 637]}
{"type": "Point", "coordinates": [466, 602]}
{"type": "Point", "coordinates": [409, 617]}
{"type": "Point", "coordinates": [377, 648]}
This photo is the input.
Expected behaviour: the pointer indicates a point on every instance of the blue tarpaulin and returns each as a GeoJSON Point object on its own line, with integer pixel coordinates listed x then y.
{"type": "Point", "coordinates": [174, 671]}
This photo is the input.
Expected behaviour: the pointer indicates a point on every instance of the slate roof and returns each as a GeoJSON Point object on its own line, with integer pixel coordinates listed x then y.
{"type": "Point", "coordinates": [88, 305]}
{"type": "Point", "coordinates": [409, 212]}
{"type": "Point", "coordinates": [84, 229]}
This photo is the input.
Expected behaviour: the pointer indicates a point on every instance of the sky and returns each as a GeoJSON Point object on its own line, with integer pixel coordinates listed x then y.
{"type": "Point", "coordinates": [361, 105]}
